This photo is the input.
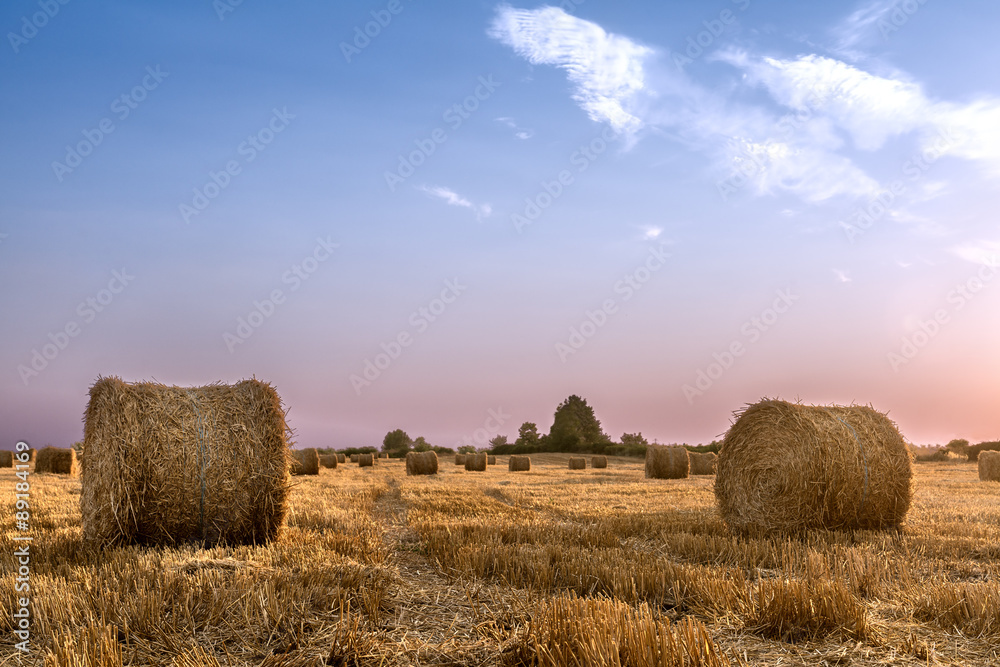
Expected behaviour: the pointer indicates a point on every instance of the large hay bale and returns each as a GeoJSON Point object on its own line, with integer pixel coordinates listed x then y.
{"type": "Point", "coordinates": [167, 465]}
{"type": "Point", "coordinates": [328, 460]}
{"type": "Point", "coordinates": [421, 463]}
{"type": "Point", "coordinates": [577, 463]}
{"type": "Point", "coordinates": [57, 460]}
{"type": "Point", "coordinates": [785, 467]}
{"type": "Point", "coordinates": [354, 458]}
{"type": "Point", "coordinates": [491, 460]}
{"type": "Point", "coordinates": [6, 459]}
{"type": "Point", "coordinates": [519, 463]}
{"type": "Point", "coordinates": [598, 461]}
{"type": "Point", "coordinates": [366, 460]}
{"type": "Point", "coordinates": [475, 462]}
{"type": "Point", "coordinates": [341, 458]}
{"type": "Point", "coordinates": [460, 459]}
{"type": "Point", "coordinates": [989, 466]}
{"type": "Point", "coordinates": [703, 463]}
{"type": "Point", "coordinates": [667, 462]}
{"type": "Point", "coordinates": [305, 461]}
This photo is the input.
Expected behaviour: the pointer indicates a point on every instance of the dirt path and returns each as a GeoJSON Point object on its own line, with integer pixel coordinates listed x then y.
{"type": "Point", "coordinates": [439, 620]}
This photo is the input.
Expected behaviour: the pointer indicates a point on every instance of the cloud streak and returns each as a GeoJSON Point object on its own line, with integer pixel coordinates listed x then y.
{"type": "Point", "coordinates": [452, 198]}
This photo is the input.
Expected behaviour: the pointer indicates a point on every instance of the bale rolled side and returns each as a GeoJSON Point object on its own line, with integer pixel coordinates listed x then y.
{"type": "Point", "coordinates": [787, 467]}
{"type": "Point", "coordinates": [989, 466]}
{"type": "Point", "coordinates": [577, 463]}
{"type": "Point", "coordinates": [354, 458]}
{"type": "Point", "coordinates": [519, 463]}
{"type": "Point", "coordinates": [366, 460]}
{"type": "Point", "coordinates": [703, 464]}
{"type": "Point", "coordinates": [421, 463]}
{"type": "Point", "coordinates": [475, 462]}
{"type": "Point", "coordinates": [598, 461]}
{"type": "Point", "coordinates": [460, 459]}
{"type": "Point", "coordinates": [341, 458]}
{"type": "Point", "coordinates": [57, 460]}
{"type": "Point", "coordinates": [168, 465]}
{"type": "Point", "coordinates": [6, 459]}
{"type": "Point", "coordinates": [667, 462]}
{"type": "Point", "coordinates": [491, 460]}
{"type": "Point", "coordinates": [305, 461]}
{"type": "Point", "coordinates": [328, 460]}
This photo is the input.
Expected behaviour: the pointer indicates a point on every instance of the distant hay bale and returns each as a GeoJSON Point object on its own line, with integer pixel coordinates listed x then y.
{"type": "Point", "coordinates": [519, 463]}
{"type": "Point", "coordinates": [491, 460]}
{"type": "Point", "coordinates": [703, 463]}
{"type": "Point", "coordinates": [384, 456]}
{"type": "Point", "coordinates": [460, 459]}
{"type": "Point", "coordinates": [786, 467]}
{"type": "Point", "coordinates": [6, 459]}
{"type": "Point", "coordinates": [475, 462]}
{"type": "Point", "coordinates": [421, 463]}
{"type": "Point", "coordinates": [168, 465]}
{"type": "Point", "coordinates": [328, 460]}
{"type": "Point", "coordinates": [598, 461]}
{"type": "Point", "coordinates": [354, 458]}
{"type": "Point", "coordinates": [57, 460]}
{"type": "Point", "coordinates": [577, 463]}
{"type": "Point", "coordinates": [989, 466]}
{"type": "Point", "coordinates": [305, 461]}
{"type": "Point", "coordinates": [667, 462]}
{"type": "Point", "coordinates": [366, 460]}
{"type": "Point", "coordinates": [341, 458]}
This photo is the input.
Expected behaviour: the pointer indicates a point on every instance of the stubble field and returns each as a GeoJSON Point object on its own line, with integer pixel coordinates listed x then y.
{"type": "Point", "coordinates": [548, 567]}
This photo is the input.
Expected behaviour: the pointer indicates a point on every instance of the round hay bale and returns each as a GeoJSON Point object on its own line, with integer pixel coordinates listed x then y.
{"type": "Point", "coordinates": [460, 459]}
{"type": "Point", "coordinates": [989, 466]}
{"type": "Point", "coordinates": [598, 461]}
{"type": "Point", "coordinates": [787, 467]}
{"type": "Point", "coordinates": [305, 461]}
{"type": "Point", "coordinates": [341, 458]}
{"type": "Point", "coordinates": [168, 465]}
{"type": "Point", "coordinates": [421, 463]}
{"type": "Point", "coordinates": [6, 458]}
{"type": "Point", "coordinates": [57, 460]}
{"type": "Point", "coordinates": [518, 463]}
{"type": "Point", "coordinates": [577, 463]}
{"type": "Point", "coordinates": [354, 458]}
{"type": "Point", "coordinates": [383, 456]}
{"type": "Point", "coordinates": [703, 463]}
{"type": "Point", "coordinates": [667, 462]}
{"type": "Point", "coordinates": [491, 460]}
{"type": "Point", "coordinates": [328, 460]}
{"type": "Point", "coordinates": [366, 460]}
{"type": "Point", "coordinates": [475, 462]}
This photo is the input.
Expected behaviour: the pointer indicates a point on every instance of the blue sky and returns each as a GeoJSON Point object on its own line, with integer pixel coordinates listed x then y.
{"type": "Point", "coordinates": [671, 209]}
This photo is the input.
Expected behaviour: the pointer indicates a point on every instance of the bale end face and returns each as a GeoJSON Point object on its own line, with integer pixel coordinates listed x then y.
{"type": "Point", "coordinates": [703, 464]}
{"type": "Point", "coordinates": [577, 463]}
{"type": "Point", "coordinates": [667, 462]}
{"type": "Point", "coordinates": [518, 463]}
{"type": "Point", "coordinates": [341, 458]}
{"type": "Point", "coordinates": [305, 461]}
{"type": "Point", "coordinates": [989, 466]}
{"type": "Point", "coordinates": [421, 463]}
{"type": "Point", "coordinates": [475, 462]}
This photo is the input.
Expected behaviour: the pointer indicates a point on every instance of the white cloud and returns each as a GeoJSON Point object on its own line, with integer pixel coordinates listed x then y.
{"type": "Point", "coordinates": [520, 132]}
{"type": "Point", "coordinates": [652, 232]}
{"type": "Point", "coordinates": [842, 276]}
{"type": "Point", "coordinates": [859, 27]}
{"type": "Point", "coordinates": [452, 198]}
{"type": "Point", "coordinates": [981, 252]}
{"type": "Point", "coordinates": [605, 69]}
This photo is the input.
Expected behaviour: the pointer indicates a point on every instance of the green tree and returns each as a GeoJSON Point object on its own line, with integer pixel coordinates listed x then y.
{"type": "Point", "coordinates": [421, 445]}
{"type": "Point", "coordinates": [576, 428]}
{"type": "Point", "coordinates": [396, 441]}
{"type": "Point", "coordinates": [498, 441]}
{"type": "Point", "coordinates": [634, 439]}
{"type": "Point", "coordinates": [527, 437]}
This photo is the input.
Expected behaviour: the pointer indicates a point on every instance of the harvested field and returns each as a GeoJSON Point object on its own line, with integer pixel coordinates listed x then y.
{"type": "Point", "coordinates": [377, 567]}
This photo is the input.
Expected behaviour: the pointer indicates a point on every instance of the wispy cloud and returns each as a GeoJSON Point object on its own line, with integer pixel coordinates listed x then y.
{"type": "Point", "coordinates": [452, 198]}
{"type": "Point", "coordinates": [842, 275]}
{"type": "Point", "coordinates": [519, 132]}
{"type": "Point", "coordinates": [859, 27]}
{"type": "Point", "coordinates": [980, 252]}
{"type": "Point", "coordinates": [652, 232]}
{"type": "Point", "coordinates": [605, 69]}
